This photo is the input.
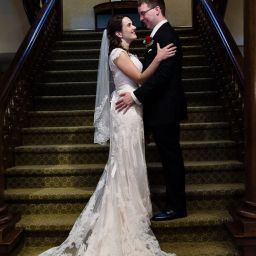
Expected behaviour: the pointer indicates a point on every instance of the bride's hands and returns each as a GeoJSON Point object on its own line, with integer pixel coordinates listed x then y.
{"type": "Point", "coordinates": [165, 52]}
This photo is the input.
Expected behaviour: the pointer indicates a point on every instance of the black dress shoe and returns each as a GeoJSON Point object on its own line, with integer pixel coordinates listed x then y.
{"type": "Point", "coordinates": [168, 215]}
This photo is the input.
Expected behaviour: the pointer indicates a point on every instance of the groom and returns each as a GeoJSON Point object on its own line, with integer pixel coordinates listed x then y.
{"type": "Point", "coordinates": [164, 106]}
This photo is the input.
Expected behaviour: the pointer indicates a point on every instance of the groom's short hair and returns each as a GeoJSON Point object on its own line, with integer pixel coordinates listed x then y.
{"type": "Point", "coordinates": [152, 3]}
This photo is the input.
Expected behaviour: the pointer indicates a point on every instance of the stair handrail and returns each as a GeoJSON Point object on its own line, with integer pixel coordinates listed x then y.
{"type": "Point", "coordinates": [226, 63]}
{"type": "Point", "coordinates": [224, 34]}
{"type": "Point", "coordinates": [31, 9]}
{"type": "Point", "coordinates": [220, 6]}
{"type": "Point", "coordinates": [15, 101]}
{"type": "Point", "coordinates": [17, 82]}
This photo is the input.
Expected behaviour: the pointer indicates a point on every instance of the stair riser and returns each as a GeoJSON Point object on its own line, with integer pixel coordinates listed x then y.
{"type": "Point", "coordinates": [195, 249]}
{"type": "Point", "coordinates": [86, 137]}
{"type": "Point", "coordinates": [87, 120]}
{"type": "Point", "coordinates": [62, 207]}
{"type": "Point", "coordinates": [100, 156]}
{"type": "Point", "coordinates": [93, 64]}
{"type": "Point", "coordinates": [82, 35]}
{"type": "Point", "coordinates": [65, 104]}
{"type": "Point", "coordinates": [195, 85]}
{"type": "Point", "coordinates": [96, 43]}
{"type": "Point", "coordinates": [91, 75]}
{"type": "Point", "coordinates": [54, 121]}
{"type": "Point", "coordinates": [199, 60]}
{"type": "Point", "coordinates": [59, 89]}
{"type": "Point", "coordinates": [88, 179]}
{"type": "Point", "coordinates": [63, 54]}
{"type": "Point", "coordinates": [212, 233]}
{"type": "Point", "coordinates": [66, 89]}
{"type": "Point", "coordinates": [207, 116]}
{"type": "Point", "coordinates": [216, 176]}
{"type": "Point", "coordinates": [47, 238]}
{"type": "Point", "coordinates": [201, 202]}
{"type": "Point", "coordinates": [213, 177]}
{"type": "Point", "coordinates": [202, 99]}
{"type": "Point", "coordinates": [76, 103]}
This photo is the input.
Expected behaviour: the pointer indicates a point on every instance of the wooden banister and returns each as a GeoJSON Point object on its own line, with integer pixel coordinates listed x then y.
{"type": "Point", "coordinates": [237, 85]}
{"type": "Point", "coordinates": [226, 63]}
{"type": "Point", "coordinates": [16, 99]}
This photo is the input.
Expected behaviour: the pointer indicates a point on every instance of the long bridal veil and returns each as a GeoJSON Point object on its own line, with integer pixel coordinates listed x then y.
{"type": "Point", "coordinates": [102, 102]}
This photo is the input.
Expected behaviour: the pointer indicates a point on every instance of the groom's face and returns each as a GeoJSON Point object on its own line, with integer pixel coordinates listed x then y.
{"type": "Point", "coordinates": [147, 15]}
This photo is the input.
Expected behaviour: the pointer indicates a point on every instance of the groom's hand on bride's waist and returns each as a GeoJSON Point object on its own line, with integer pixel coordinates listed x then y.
{"type": "Point", "coordinates": [125, 102]}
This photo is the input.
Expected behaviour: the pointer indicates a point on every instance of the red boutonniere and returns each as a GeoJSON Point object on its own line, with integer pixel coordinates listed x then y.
{"type": "Point", "coordinates": [148, 41]}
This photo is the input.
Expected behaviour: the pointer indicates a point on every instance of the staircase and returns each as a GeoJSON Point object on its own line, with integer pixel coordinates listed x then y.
{"type": "Point", "coordinates": [58, 166]}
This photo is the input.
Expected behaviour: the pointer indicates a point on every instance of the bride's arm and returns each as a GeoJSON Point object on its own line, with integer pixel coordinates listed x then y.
{"type": "Point", "coordinates": [124, 63]}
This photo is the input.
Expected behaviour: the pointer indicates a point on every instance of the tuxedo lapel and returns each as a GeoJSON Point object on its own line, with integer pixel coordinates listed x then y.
{"type": "Point", "coordinates": [151, 53]}
{"type": "Point", "coordinates": [162, 29]}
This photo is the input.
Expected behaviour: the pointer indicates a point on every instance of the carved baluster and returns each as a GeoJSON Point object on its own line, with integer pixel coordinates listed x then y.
{"type": "Point", "coordinates": [14, 107]}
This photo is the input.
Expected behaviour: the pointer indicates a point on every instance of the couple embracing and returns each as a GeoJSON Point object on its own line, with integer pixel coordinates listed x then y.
{"type": "Point", "coordinates": [116, 220]}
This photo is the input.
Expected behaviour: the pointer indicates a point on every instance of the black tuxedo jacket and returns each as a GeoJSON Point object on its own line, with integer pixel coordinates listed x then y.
{"type": "Point", "coordinates": [162, 95]}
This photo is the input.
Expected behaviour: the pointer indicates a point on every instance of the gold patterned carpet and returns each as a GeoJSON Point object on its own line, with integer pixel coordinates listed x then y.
{"type": "Point", "coordinates": [57, 166]}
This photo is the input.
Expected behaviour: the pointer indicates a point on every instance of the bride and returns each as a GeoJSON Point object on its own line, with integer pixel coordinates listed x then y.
{"type": "Point", "coordinates": [116, 220]}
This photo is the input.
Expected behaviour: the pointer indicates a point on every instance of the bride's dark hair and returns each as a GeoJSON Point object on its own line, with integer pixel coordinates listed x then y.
{"type": "Point", "coordinates": [115, 24]}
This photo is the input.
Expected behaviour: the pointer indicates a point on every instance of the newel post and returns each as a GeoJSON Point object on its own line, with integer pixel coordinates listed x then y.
{"type": "Point", "coordinates": [10, 236]}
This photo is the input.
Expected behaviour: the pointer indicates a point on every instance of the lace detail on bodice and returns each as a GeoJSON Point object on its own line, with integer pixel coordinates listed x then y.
{"type": "Point", "coordinates": [120, 79]}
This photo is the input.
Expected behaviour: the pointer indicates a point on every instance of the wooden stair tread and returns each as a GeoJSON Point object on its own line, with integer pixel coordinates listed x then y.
{"type": "Point", "coordinates": [69, 193]}
{"type": "Point", "coordinates": [52, 222]}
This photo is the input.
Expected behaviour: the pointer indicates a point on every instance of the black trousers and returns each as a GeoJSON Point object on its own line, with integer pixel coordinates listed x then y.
{"type": "Point", "coordinates": [167, 139]}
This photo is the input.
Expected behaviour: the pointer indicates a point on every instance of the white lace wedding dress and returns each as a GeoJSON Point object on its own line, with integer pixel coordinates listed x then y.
{"type": "Point", "coordinates": [116, 220]}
